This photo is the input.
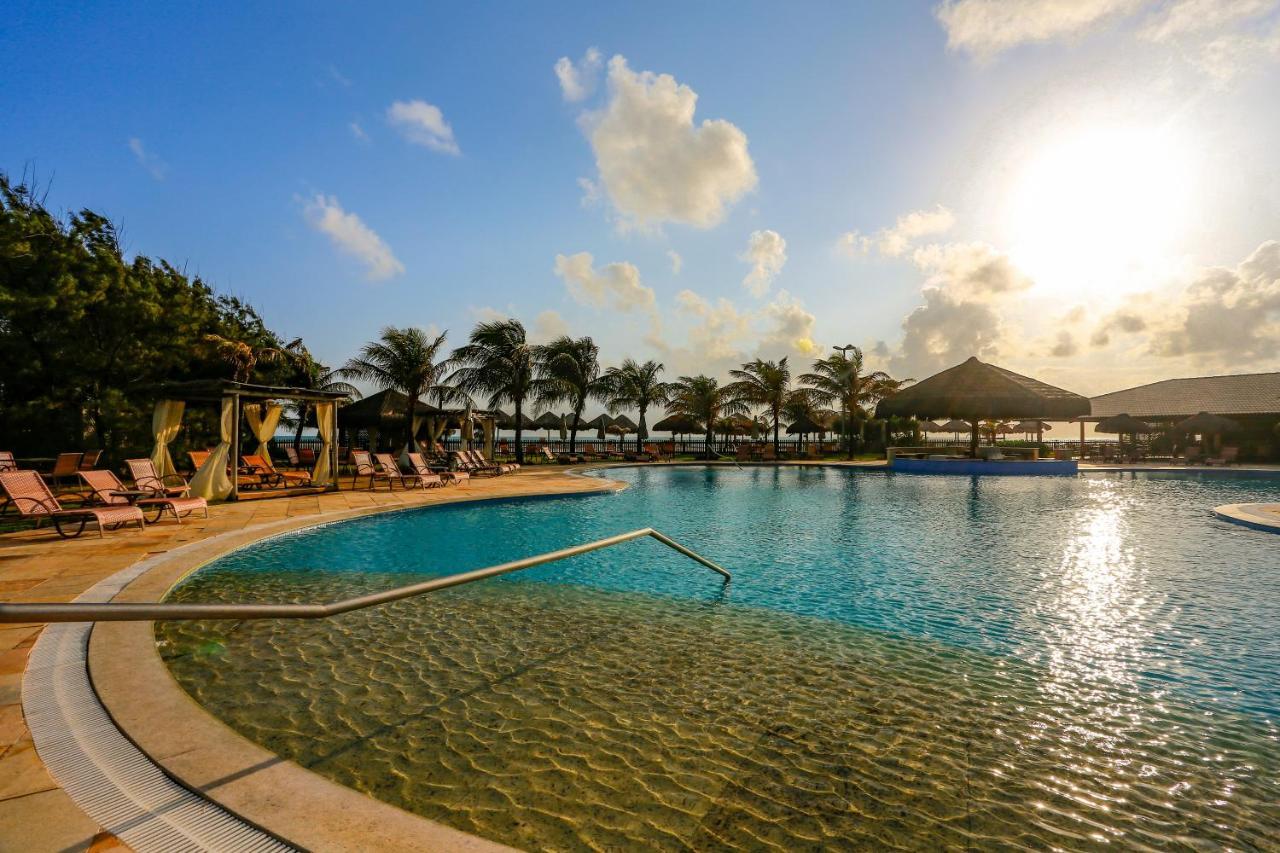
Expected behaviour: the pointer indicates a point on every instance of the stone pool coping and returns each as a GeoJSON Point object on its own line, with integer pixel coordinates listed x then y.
{"type": "Point", "coordinates": [207, 756]}
{"type": "Point", "coordinates": [1259, 516]}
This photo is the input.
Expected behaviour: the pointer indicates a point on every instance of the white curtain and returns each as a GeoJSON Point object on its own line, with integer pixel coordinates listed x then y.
{"type": "Point", "coordinates": [211, 481]}
{"type": "Point", "coordinates": [165, 422]}
{"type": "Point", "coordinates": [327, 422]}
{"type": "Point", "coordinates": [263, 421]}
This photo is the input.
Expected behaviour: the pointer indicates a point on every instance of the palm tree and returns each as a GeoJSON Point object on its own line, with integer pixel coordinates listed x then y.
{"type": "Point", "coordinates": [499, 362]}
{"type": "Point", "coordinates": [314, 376]}
{"type": "Point", "coordinates": [705, 399]}
{"type": "Point", "coordinates": [242, 357]}
{"type": "Point", "coordinates": [838, 379]}
{"type": "Point", "coordinates": [569, 371]}
{"type": "Point", "coordinates": [404, 360]}
{"type": "Point", "coordinates": [635, 385]}
{"type": "Point", "coordinates": [764, 383]}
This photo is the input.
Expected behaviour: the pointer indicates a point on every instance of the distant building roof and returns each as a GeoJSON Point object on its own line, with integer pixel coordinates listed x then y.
{"type": "Point", "coordinates": [1243, 394]}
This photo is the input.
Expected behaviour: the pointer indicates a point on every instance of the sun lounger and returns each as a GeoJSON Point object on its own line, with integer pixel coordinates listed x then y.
{"type": "Point", "coordinates": [419, 465]}
{"type": "Point", "coordinates": [90, 459]}
{"type": "Point", "coordinates": [1226, 457]}
{"type": "Point", "coordinates": [365, 467]}
{"type": "Point", "coordinates": [7, 462]}
{"type": "Point", "coordinates": [427, 480]}
{"type": "Point", "coordinates": [29, 494]}
{"type": "Point", "coordinates": [146, 479]}
{"type": "Point", "coordinates": [464, 462]}
{"type": "Point", "coordinates": [105, 486]}
{"type": "Point", "coordinates": [478, 458]}
{"type": "Point", "coordinates": [263, 465]}
{"type": "Point", "coordinates": [66, 466]}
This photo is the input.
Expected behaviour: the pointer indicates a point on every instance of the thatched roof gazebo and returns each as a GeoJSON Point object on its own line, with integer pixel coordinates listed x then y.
{"type": "Point", "coordinates": [1207, 424]}
{"type": "Point", "coordinates": [677, 425]}
{"type": "Point", "coordinates": [977, 391]}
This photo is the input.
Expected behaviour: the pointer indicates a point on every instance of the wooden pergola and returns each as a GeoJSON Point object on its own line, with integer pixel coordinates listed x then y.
{"type": "Point", "coordinates": [211, 480]}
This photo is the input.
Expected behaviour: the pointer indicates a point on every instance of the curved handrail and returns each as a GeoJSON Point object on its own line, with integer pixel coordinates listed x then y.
{"type": "Point", "coordinates": [161, 612]}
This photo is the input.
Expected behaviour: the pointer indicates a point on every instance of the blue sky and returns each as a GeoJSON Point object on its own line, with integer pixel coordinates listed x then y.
{"type": "Point", "coordinates": [1049, 190]}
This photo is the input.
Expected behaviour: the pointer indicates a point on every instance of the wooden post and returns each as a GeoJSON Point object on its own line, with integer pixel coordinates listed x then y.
{"type": "Point", "coordinates": [235, 449]}
{"type": "Point", "coordinates": [1082, 439]}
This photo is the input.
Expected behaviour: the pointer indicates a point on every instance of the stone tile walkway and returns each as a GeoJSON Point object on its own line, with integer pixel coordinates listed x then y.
{"type": "Point", "coordinates": [35, 565]}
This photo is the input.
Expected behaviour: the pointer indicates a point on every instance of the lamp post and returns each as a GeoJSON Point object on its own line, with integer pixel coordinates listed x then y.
{"type": "Point", "coordinates": [844, 408]}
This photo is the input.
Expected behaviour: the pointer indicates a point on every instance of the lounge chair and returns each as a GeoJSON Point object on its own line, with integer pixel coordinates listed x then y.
{"type": "Point", "coordinates": [32, 498]}
{"type": "Point", "coordinates": [464, 462]}
{"type": "Point", "coordinates": [656, 453]}
{"type": "Point", "coordinates": [478, 458]}
{"type": "Point", "coordinates": [90, 460]}
{"type": "Point", "coordinates": [419, 465]}
{"type": "Point", "coordinates": [103, 486]}
{"type": "Point", "coordinates": [1227, 456]}
{"type": "Point", "coordinates": [147, 479]}
{"type": "Point", "coordinates": [362, 460]}
{"type": "Point", "coordinates": [66, 466]}
{"type": "Point", "coordinates": [561, 458]}
{"type": "Point", "coordinates": [262, 465]}
{"type": "Point", "coordinates": [291, 453]}
{"type": "Point", "coordinates": [7, 462]}
{"type": "Point", "coordinates": [427, 480]}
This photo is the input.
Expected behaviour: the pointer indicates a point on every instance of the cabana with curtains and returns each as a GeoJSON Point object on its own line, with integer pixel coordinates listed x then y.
{"type": "Point", "coordinates": [384, 414]}
{"type": "Point", "coordinates": [260, 406]}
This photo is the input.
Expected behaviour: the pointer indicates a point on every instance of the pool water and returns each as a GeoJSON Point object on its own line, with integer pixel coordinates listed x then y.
{"type": "Point", "coordinates": [899, 662]}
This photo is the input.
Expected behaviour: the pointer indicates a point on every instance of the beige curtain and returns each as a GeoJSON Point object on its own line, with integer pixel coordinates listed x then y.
{"type": "Point", "coordinates": [263, 420]}
{"type": "Point", "coordinates": [414, 445]}
{"type": "Point", "coordinates": [211, 481]}
{"type": "Point", "coordinates": [165, 422]}
{"type": "Point", "coordinates": [327, 423]}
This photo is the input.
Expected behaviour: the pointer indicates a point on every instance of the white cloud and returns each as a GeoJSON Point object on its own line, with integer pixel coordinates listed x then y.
{"type": "Point", "coordinates": [350, 235]}
{"type": "Point", "coordinates": [156, 167]}
{"type": "Point", "coordinates": [767, 253]}
{"type": "Point", "coordinates": [1228, 315]}
{"type": "Point", "coordinates": [717, 336]}
{"type": "Point", "coordinates": [1231, 54]}
{"type": "Point", "coordinates": [548, 325]}
{"type": "Point", "coordinates": [1189, 17]}
{"type": "Point", "coordinates": [338, 77]}
{"type": "Point", "coordinates": [357, 131]}
{"type": "Point", "coordinates": [984, 28]}
{"type": "Point", "coordinates": [590, 192]}
{"type": "Point", "coordinates": [619, 281]}
{"type": "Point", "coordinates": [969, 270]}
{"type": "Point", "coordinates": [790, 329]}
{"type": "Point", "coordinates": [943, 332]}
{"type": "Point", "coordinates": [578, 81]}
{"type": "Point", "coordinates": [677, 262]}
{"type": "Point", "coordinates": [423, 124]}
{"type": "Point", "coordinates": [654, 163]}
{"type": "Point", "coordinates": [902, 235]}
{"type": "Point", "coordinates": [1064, 345]}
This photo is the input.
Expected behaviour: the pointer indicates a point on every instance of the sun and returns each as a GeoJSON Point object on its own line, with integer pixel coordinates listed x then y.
{"type": "Point", "coordinates": [1101, 211]}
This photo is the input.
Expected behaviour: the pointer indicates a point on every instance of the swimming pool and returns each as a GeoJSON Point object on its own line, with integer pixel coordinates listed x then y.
{"type": "Point", "coordinates": [900, 661]}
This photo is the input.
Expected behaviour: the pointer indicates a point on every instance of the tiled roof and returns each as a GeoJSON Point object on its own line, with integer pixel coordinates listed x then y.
{"type": "Point", "coordinates": [1245, 394]}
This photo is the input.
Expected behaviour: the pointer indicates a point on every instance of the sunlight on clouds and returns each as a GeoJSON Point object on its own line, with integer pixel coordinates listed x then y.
{"type": "Point", "coordinates": [984, 28]}
{"type": "Point", "coordinates": [578, 81]}
{"type": "Point", "coordinates": [767, 253]}
{"type": "Point", "coordinates": [1186, 17]}
{"type": "Point", "coordinates": [655, 164]}
{"type": "Point", "coordinates": [350, 235]}
{"type": "Point", "coordinates": [617, 281]}
{"type": "Point", "coordinates": [894, 241]}
{"type": "Point", "coordinates": [423, 124]}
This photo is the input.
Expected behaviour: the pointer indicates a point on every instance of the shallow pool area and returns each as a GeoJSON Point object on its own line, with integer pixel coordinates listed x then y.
{"type": "Point", "coordinates": [900, 662]}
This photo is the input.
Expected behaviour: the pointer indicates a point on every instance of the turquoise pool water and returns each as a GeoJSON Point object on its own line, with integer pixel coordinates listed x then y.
{"type": "Point", "coordinates": [899, 661]}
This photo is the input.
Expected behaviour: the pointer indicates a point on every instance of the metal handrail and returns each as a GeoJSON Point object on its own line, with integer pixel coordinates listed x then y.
{"type": "Point", "coordinates": [160, 612]}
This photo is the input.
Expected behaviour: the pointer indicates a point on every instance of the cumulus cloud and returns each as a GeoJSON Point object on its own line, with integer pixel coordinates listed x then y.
{"type": "Point", "coordinates": [789, 328]}
{"type": "Point", "coordinates": [423, 124]}
{"type": "Point", "coordinates": [1126, 321]}
{"type": "Point", "coordinates": [970, 269]}
{"type": "Point", "coordinates": [677, 262]}
{"type": "Point", "coordinates": [719, 336]}
{"type": "Point", "coordinates": [943, 332]}
{"type": "Point", "coordinates": [1064, 345]}
{"type": "Point", "coordinates": [578, 81]}
{"type": "Point", "coordinates": [767, 253]}
{"type": "Point", "coordinates": [902, 235]}
{"type": "Point", "coordinates": [1228, 314]}
{"type": "Point", "coordinates": [350, 235]}
{"type": "Point", "coordinates": [654, 163]}
{"type": "Point", "coordinates": [549, 325]}
{"type": "Point", "coordinates": [156, 167]}
{"type": "Point", "coordinates": [984, 28]}
{"type": "Point", "coordinates": [1231, 54]}
{"type": "Point", "coordinates": [357, 131]}
{"type": "Point", "coordinates": [619, 282]}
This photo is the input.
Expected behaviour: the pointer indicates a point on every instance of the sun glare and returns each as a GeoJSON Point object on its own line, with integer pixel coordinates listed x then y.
{"type": "Point", "coordinates": [1101, 212]}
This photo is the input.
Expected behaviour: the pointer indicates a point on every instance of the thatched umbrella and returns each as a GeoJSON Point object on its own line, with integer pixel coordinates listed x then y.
{"type": "Point", "coordinates": [931, 426]}
{"type": "Point", "coordinates": [1122, 425]}
{"type": "Point", "coordinates": [955, 426]}
{"type": "Point", "coordinates": [599, 423]}
{"type": "Point", "coordinates": [978, 391]}
{"type": "Point", "coordinates": [804, 427]}
{"type": "Point", "coordinates": [1207, 424]}
{"type": "Point", "coordinates": [1028, 427]}
{"type": "Point", "coordinates": [678, 425]}
{"type": "Point", "coordinates": [547, 421]}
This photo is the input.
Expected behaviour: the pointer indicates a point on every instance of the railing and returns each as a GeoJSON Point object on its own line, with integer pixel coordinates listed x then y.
{"type": "Point", "coordinates": [160, 612]}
